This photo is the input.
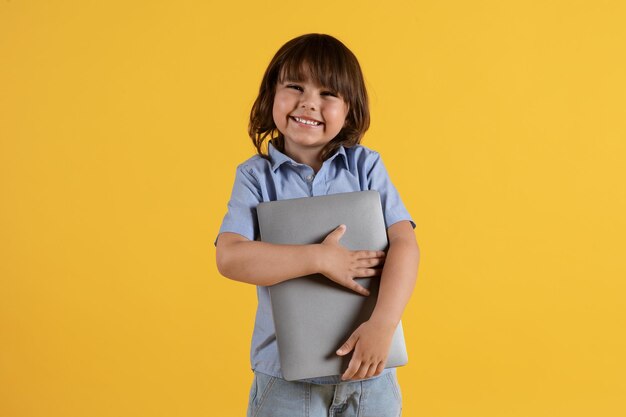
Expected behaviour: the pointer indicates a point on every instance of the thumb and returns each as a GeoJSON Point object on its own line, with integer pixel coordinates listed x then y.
{"type": "Point", "coordinates": [338, 232]}
{"type": "Point", "coordinates": [348, 346]}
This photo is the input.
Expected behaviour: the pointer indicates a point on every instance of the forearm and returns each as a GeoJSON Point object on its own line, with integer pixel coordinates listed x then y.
{"type": "Point", "coordinates": [263, 263]}
{"type": "Point", "coordinates": [397, 281]}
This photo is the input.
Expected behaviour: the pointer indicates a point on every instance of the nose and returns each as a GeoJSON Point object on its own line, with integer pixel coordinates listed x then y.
{"type": "Point", "coordinates": [309, 101]}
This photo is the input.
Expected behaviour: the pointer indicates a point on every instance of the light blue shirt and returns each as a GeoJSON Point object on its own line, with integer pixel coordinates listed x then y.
{"type": "Point", "coordinates": [257, 180]}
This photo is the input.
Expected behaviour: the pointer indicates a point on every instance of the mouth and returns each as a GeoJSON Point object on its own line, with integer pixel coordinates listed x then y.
{"type": "Point", "coordinates": [306, 121]}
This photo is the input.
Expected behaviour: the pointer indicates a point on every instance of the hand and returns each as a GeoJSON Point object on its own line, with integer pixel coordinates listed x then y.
{"type": "Point", "coordinates": [342, 265]}
{"type": "Point", "coordinates": [371, 342]}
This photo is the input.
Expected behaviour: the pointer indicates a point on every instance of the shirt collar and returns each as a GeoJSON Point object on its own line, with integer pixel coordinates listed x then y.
{"type": "Point", "coordinates": [278, 158]}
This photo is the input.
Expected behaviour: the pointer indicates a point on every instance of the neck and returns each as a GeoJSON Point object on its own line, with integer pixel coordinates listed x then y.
{"type": "Point", "coordinates": [307, 156]}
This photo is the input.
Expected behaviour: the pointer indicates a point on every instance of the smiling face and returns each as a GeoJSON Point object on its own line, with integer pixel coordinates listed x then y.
{"type": "Point", "coordinates": [308, 115]}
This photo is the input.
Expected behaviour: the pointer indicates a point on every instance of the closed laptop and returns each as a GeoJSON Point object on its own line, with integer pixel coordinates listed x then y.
{"type": "Point", "coordinates": [313, 315]}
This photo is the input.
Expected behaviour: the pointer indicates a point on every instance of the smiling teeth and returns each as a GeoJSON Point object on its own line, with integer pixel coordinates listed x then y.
{"type": "Point", "coordinates": [308, 122]}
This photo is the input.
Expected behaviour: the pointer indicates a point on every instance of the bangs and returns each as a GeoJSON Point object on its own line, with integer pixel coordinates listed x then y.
{"type": "Point", "coordinates": [325, 64]}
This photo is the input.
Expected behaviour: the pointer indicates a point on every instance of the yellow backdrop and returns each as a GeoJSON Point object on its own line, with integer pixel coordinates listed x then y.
{"type": "Point", "coordinates": [502, 125]}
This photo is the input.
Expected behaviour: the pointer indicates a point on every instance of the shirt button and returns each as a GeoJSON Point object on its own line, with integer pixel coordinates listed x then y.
{"type": "Point", "coordinates": [310, 178]}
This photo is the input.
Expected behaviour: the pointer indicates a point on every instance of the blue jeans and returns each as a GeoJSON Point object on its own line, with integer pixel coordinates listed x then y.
{"type": "Point", "coordinates": [275, 397]}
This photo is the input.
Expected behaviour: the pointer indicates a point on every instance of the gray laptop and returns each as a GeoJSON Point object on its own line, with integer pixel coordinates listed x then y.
{"type": "Point", "coordinates": [313, 315]}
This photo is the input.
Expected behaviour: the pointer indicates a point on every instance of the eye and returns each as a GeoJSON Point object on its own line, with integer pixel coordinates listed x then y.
{"type": "Point", "coordinates": [295, 87]}
{"type": "Point", "coordinates": [330, 93]}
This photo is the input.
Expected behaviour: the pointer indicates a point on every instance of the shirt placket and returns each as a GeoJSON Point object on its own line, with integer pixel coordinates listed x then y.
{"type": "Point", "coordinates": [308, 176]}
{"type": "Point", "coordinates": [314, 181]}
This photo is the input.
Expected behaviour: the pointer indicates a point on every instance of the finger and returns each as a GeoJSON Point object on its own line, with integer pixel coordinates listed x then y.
{"type": "Point", "coordinates": [380, 368]}
{"type": "Point", "coordinates": [368, 272]}
{"type": "Point", "coordinates": [358, 288]}
{"type": "Point", "coordinates": [365, 254]}
{"type": "Point", "coordinates": [371, 371]}
{"type": "Point", "coordinates": [369, 262]}
{"type": "Point", "coordinates": [353, 367]}
{"type": "Point", "coordinates": [336, 234]}
{"type": "Point", "coordinates": [363, 371]}
{"type": "Point", "coordinates": [347, 346]}
{"type": "Point", "coordinates": [340, 230]}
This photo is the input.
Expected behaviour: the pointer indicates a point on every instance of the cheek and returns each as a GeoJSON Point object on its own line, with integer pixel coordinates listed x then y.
{"type": "Point", "coordinates": [280, 110]}
{"type": "Point", "coordinates": [276, 113]}
{"type": "Point", "coordinates": [338, 115]}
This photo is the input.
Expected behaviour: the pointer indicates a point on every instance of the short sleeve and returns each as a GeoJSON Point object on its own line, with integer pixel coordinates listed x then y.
{"type": "Point", "coordinates": [241, 215]}
{"type": "Point", "coordinates": [393, 207]}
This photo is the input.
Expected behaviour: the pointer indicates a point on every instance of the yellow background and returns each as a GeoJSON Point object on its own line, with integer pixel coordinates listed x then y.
{"type": "Point", "coordinates": [502, 125]}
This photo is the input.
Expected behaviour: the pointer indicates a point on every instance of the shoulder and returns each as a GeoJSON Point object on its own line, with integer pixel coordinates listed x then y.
{"type": "Point", "coordinates": [360, 151]}
{"type": "Point", "coordinates": [361, 157]}
{"type": "Point", "coordinates": [252, 175]}
{"type": "Point", "coordinates": [254, 167]}
{"type": "Point", "coordinates": [255, 162]}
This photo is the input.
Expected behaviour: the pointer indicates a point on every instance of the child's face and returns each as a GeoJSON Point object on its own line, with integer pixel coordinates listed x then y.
{"type": "Point", "coordinates": [296, 103]}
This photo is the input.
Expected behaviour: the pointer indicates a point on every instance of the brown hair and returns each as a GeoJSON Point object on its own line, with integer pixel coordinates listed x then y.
{"type": "Point", "coordinates": [330, 64]}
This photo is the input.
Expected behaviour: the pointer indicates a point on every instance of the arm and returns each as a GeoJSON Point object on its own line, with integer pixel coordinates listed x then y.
{"type": "Point", "coordinates": [371, 340]}
{"type": "Point", "coordinates": [263, 263]}
{"type": "Point", "coordinates": [399, 275]}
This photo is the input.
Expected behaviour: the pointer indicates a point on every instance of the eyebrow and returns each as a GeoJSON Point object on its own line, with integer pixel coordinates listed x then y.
{"type": "Point", "coordinates": [322, 87]}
